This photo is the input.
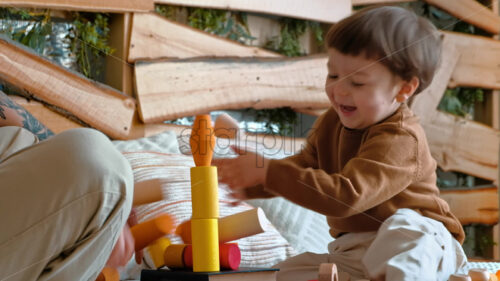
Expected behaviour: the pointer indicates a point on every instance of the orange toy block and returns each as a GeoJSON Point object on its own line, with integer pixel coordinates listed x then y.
{"type": "Point", "coordinates": [147, 232]}
{"type": "Point", "coordinates": [173, 255]}
{"type": "Point", "coordinates": [108, 274]}
{"type": "Point", "coordinates": [202, 140]}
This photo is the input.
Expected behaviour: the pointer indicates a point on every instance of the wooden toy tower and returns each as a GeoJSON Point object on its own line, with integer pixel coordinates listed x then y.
{"type": "Point", "coordinates": [204, 222]}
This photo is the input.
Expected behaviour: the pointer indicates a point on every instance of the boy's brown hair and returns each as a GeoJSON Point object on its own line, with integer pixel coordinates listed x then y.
{"type": "Point", "coordinates": [405, 43]}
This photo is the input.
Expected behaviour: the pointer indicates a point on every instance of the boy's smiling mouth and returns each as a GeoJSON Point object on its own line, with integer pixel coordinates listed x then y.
{"type": "Point", "coordinates": [346, 109]}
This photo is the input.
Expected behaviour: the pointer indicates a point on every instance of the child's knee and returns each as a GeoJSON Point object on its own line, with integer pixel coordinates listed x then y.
{"type": "Point", "coordinates": [91, 156]}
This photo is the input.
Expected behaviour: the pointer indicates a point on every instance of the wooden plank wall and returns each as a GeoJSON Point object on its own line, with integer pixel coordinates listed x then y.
{"type": "Point", "coordinates": [319, 10]}
{"type": "Point", "coordinates": [471, 11]}
{"type": "Point", "coordinates": [171, 89]}
{"type": "Point", "coordinates": [119, 6]}
{"type": "Point", "coordinates": [154, 37]}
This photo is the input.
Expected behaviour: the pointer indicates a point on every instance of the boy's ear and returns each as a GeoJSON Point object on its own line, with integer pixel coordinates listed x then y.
{"type": "Point", "coordinates": [408, 89]}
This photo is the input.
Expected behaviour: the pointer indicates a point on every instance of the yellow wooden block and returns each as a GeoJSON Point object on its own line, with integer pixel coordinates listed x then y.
{"type": "Point", "coordinates": [205, 245]}
{"type": "Point", "coordinates": [157, 249]}
{"type": "Point", "coordinates": [204, 192]}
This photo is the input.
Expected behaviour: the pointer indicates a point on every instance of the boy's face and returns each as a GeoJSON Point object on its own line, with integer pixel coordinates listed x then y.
{"type": "Point", "coordinates": [362, 91]}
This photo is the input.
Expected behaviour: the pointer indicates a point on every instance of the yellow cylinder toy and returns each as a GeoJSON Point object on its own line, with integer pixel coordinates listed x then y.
{"type": "Point", "coordinates": [204, 192]}
{"type": "Point", "coordinates": [205, 245]}
{"type": "Point", "coordinates": [204, 234]}
{"type": "Point", "coordinates": [157, 249]}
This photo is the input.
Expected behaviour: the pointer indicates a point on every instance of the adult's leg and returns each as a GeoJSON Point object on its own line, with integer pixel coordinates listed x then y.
{"type": "Point", "coordinates": [63, 203]}
{"type": "Point", "coordinates": [410, 246]}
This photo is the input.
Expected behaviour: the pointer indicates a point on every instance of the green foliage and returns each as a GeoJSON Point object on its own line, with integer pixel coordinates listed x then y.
{"type": "Point", "coordinates": [279, 121]}
{"type": "Point", "coordinates": [460, 101]}
{"type": "Point", "coordinates": [89, 42]}
{"type": "Point", "coordinates": [231, 25]}
{"type": "Point", "coordinates": [31, 35]}
{"type": "Point", "coordinates": [288, 43]}
{"type": "Point", "coordinates": [88, 35]}
{"type": "Point", "coordinates": [166, 11]}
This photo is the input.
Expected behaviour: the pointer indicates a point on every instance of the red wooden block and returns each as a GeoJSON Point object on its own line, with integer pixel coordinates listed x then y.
{"type": "Point", "coordinates": [229, 256]}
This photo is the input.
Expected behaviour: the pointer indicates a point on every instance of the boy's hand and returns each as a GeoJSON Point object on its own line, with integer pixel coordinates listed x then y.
{"type": "Point", "coordinates": [247, 170]}
{"type": "Point", "coordinates": [124, 247]}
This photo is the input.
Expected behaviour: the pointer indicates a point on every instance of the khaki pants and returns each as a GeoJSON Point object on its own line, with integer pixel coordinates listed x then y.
{"type": "Point", "coordinates": [407, 247]}
{"type": "Point", "coordinates": [63, 204]}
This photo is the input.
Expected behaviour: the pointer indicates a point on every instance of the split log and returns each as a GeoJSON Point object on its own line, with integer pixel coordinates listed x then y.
{"type": "Point", "coordinates": [479, 205]}
{"type": "Point", "coordinates": [470, 11]}
{"type": "Point", "coordinates": [319, 10]}
{"type": "Point", "coordinates": [96, 104]}
{"type": "Point", "coordinates": [375, 2]}
{"type": "Point", "coordinates": [478, 65]}
{"type": "Point", "coordinates": [456, 143]}
{"type": "Point", "coordinates": [54, 121]}
{"type": "Point", "coordinates": [155, 37]}
{"type": "Point", "coordinates": [119, 73]}
{"type": "Point", "coordinates": [172, 89]}
{"type": "Point", "coordinates": [119, 6]}
{"type": "Point", "coordinates": [464, 146]}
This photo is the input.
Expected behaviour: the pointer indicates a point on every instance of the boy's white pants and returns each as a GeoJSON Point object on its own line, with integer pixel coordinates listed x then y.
{"type": "Point", "coordinates": [63, 204]}
{"type": "Point", "coordinates": [408, 246]}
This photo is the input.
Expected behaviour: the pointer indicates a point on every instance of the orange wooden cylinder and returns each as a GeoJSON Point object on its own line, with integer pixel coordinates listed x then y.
{"type": "Point", "coordinates": [202, 140]}
{"type": "Point", "coordinates": [147, 232]}
{"type": "Point", "coordinates": [108, 274]}
{"type": "Point", "coordinates": [173, 256]}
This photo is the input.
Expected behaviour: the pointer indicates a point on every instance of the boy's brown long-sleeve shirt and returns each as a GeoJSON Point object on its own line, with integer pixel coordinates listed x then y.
{"type": "Point", "coordinates": [358, 178]}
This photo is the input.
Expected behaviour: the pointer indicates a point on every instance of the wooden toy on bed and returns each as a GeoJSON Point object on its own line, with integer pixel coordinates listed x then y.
{"type": "Point", "coordinates": [108, 274]}
{"type": "Point", "coordinates": [157, 249]}
{"type": "Point", "coordinates": [181, 256]}
{"type": "Point", "coordinates": [232, 227]}
{"type": "Point", "coordinates": [147, 191]}
{"type": "Point", "coordinates": [149, 231]}
{"type": "Point", "coordinates": [459, 277]}
{"type": "Point", "coordinates": [204, 194]}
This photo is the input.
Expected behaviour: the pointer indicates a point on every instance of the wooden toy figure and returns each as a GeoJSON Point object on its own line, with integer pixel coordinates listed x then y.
{"type": "Point", "coordinates": [479, 274]}
{"type": "Point", "coordinates": [204, 194]}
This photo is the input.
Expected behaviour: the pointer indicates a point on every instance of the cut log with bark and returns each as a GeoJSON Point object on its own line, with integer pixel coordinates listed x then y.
{"type": "Point", "coordinates": [172, 89]}
{"type": "Point", "coordinates": [470, 11]}
{"type": "Point", "coordinates": [155, 37]}
{"type": "Point", "coordinates": [376, 2]}
{"type": "Point", "coordinates": [96, 104]}
{"type": "Point", "coordinates": [56, 122]}
{"type": "Point", "coordinates": [318, 10]}
{"type": "Point", "coordinates": [463, 146]}
{"type": "Point", "coordinates": [479, 63]}
{"type": "Point", "coordinates": [118, 6]}
{"type": "Point", "coordinates": [479, 205]}
{"type": "Point", "coordinates": [457, 144]}
{"type": "Point", "coordinates": [119, 73]}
